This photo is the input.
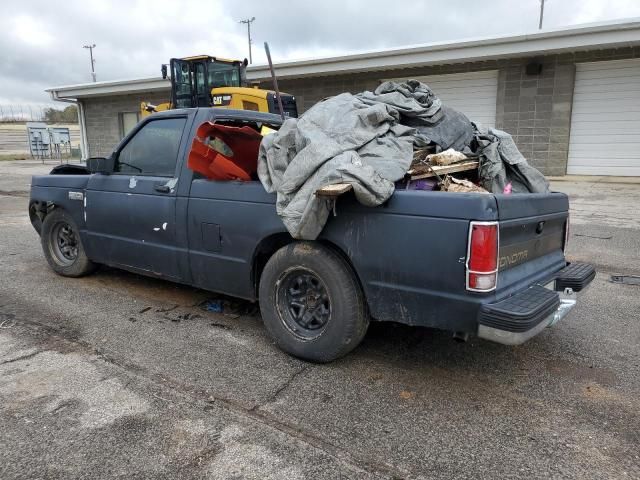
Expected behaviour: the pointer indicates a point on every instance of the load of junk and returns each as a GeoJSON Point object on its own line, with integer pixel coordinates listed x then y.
{"type": "Point", "coordinates": [399, 136]}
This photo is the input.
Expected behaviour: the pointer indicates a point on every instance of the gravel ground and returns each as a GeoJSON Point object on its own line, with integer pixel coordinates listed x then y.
{"type": "Point", "coordinates": [117, 375]}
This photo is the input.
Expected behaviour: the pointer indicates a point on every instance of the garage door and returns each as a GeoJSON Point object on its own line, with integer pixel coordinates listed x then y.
{"type": "Point", "coordinates": [473, 93]}
{"type": "Point", "coordinates": [605, 120]}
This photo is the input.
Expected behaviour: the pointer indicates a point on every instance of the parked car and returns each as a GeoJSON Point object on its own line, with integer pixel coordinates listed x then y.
{"type": "Point", "coordinates": [473, 264]}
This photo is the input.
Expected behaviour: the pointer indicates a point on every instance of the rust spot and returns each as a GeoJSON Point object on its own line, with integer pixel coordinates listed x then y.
{"type": "Point", "coordinates": [407, 395]}
{"type": "Point", "coordinates": [582, 373]}
{"type": "Point", "coordinates": [597, 392]}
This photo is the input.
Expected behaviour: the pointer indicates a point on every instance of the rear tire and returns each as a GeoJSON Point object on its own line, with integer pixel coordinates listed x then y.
{"type": "Point", "coordinates": [311, 302]}
{"type": "Point", "coordinates": [62, 247]}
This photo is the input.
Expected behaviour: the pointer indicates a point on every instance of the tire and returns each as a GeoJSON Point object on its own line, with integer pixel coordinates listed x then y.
{"type": "Point", "coordinates": [311, 302]}
{"type": "Point", "coordinates": [62, 247]}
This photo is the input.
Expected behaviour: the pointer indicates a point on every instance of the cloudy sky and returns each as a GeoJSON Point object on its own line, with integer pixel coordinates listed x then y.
{"type": "Point", "coordinates": [41, 42]}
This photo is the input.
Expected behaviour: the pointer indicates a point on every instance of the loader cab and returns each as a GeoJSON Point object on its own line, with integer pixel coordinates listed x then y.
{"type": "Point", "coordinates": [192, 79]}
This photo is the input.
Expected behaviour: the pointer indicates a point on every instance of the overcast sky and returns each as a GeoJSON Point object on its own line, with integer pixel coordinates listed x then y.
{"type": "Point", "coordinates": [41, 42]}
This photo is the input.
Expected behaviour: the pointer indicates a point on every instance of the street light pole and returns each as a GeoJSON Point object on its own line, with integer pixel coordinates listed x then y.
{"type": "Point", "coordinates": [248, 21]}
{"type": "Point", "coordinates": [541, 14]}
{"type": "Point", "coordinates": [93, 62]}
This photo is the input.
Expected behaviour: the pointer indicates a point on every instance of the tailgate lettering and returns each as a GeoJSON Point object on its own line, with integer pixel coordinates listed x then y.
{"type": "Point", "coordinates": [513, 259]}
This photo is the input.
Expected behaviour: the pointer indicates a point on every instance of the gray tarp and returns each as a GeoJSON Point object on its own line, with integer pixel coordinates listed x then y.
{"type": "Point", "coordinates": [366, 140]}
{"type": "Point", "coordinates": [455, 130]}
{"type": "Point", "coordinates": [501, 163]}
{"type": "Point", "coordinates": [347, 138]}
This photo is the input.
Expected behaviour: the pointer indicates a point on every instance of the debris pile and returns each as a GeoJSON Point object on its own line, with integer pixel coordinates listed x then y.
{"type": "Point", "coordinates": [399, 136]}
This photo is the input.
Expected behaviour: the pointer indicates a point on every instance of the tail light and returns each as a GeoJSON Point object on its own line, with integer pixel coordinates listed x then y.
{"type": "Point", "coordinates": [482, 256]}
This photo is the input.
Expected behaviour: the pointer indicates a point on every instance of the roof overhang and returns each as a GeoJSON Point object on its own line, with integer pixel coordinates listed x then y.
{"type": "Point", "coordinates": [590, 37]}
{"type": "Point", "coordinates": [586, 37]}
{"type": "Point", "coordinates": [115, 87]}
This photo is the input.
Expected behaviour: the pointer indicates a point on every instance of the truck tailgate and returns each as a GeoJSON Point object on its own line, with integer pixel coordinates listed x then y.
{"type": "Point", "coordinates": [532, 236]}
{"type": "Point", "coordinates": [530, 204]}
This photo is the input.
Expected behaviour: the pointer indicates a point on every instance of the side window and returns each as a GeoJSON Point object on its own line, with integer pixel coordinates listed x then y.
{"type": "Point", "coordinates": [128, 120]}
{"type": "Point", "coordinates": [153, 150]}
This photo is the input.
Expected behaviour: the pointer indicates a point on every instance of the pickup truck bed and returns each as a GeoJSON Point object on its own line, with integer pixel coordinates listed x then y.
{"type": "Point", "coordinates": [406, 261]}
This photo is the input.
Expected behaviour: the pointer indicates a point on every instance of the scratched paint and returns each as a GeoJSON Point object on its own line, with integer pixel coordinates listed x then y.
{"type": "Point", "coordinates": [171, 184]}
{"type": "Point", "coordinates": [133, 181]}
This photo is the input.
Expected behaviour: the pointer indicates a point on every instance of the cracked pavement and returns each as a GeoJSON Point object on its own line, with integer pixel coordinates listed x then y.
{"type": "Point", "coordinates": [121, 376]}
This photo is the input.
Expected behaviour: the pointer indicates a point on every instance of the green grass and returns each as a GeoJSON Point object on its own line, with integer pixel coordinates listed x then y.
{"type": "Point", "coordinates": [13, 156]}
{"type": "Point", "coordinates": [25, 156]}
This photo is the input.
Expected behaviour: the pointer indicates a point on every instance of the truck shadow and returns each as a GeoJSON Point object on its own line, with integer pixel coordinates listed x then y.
{"type": "Point", "coordinates": [393, 344]}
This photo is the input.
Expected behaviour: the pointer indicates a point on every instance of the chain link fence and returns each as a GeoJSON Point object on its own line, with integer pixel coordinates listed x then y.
{"type": "Point", "coordinates": [17, 113]}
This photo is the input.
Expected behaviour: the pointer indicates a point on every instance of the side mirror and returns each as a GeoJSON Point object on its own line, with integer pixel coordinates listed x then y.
{"type": "Point", "coordinates": [101, 165]}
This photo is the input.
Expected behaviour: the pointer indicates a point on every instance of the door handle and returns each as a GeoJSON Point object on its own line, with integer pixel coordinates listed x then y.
{"type": "Point", "coordinates": [162, 188]}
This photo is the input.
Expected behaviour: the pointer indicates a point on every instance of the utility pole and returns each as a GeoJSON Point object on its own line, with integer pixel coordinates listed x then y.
{"type": "Point", "coordinates": [93, 62]}
{"type": "Point", "coordinates": [541, 14]}
{"type": "Point", "coordinates": [248, 22]}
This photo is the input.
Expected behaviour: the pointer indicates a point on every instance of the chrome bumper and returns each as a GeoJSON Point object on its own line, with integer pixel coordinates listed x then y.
{"type": "Point", "coordinates": [568, 300]}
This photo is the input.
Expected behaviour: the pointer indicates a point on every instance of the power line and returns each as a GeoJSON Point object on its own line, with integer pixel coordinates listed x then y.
{"type": "Point", "coordinates": [93, 62]}
{"type": "Point", "coordinates": [248, 22]}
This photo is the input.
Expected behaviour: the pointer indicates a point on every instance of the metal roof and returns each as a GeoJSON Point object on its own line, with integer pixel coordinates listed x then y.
{"type": "Point", "coordinates": [613, 34]}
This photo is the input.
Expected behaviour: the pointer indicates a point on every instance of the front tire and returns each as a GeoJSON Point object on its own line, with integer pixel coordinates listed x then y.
{"type": "Point", "coordinates": [311, 302]}
{"type": "Point", "coordinates": [62, 247]}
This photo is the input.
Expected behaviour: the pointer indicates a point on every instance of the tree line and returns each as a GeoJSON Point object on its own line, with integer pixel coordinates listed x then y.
{"type": "Point", "coordinates": [68, 115]}
{"type": "Point", "coordinates": [36, 113]}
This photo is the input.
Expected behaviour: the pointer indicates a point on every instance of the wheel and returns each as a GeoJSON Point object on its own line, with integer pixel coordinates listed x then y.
{"type": "Point", "coordinates": [62, 246]}
{"type": "Point", "coordinates": [311, 302]}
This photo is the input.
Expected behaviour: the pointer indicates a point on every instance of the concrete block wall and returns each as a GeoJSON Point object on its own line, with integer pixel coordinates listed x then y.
{"type": "Point", "coordinates": [536, 110]}
{"type": "Point", "coordinates": [103, 119]}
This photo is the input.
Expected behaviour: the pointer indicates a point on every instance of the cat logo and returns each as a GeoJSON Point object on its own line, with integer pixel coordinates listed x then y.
{"type": "Point", "coordinates": [221, 100]}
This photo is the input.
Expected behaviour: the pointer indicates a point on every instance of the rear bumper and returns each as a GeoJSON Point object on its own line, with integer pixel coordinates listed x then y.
{"type": "Point", "coordinates": [524, 315]}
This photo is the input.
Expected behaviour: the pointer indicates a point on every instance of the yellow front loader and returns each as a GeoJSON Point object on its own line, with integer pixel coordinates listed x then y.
{"type": "Point", "coordinates": [205, 81]}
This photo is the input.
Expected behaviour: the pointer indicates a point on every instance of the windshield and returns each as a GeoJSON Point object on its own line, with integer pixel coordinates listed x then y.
{"type": "Point", "coordinates": [223, 75]}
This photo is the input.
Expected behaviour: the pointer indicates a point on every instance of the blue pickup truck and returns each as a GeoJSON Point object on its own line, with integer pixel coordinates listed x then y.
{"type": "Point", "coordinates": [472, 264]}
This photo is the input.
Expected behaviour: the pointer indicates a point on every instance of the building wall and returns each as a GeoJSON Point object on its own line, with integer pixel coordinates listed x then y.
{"type": "Point", "coordinates": [535, 109]}
{"type": "Point", "coordinates": [102, 115]}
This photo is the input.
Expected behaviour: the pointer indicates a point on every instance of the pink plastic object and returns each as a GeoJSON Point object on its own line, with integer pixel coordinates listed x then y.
{"type": "Point", "coordinates": [507, 189]}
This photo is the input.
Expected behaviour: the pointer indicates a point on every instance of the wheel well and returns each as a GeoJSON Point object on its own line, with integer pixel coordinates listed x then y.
{"type": "Point", "coordinates": [265, 249]}
{"type": "Point", "coordinates": [38, 211]}
{"type": "Point", "coordinates": [347, 260]}
{"type": "Point", "coordinates": [270, 245]}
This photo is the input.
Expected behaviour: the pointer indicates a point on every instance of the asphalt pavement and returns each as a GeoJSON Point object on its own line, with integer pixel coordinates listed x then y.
{"type": "Point", "coordinates": [121, 376]}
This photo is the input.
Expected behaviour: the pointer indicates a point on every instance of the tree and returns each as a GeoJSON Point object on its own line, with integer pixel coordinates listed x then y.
{"type": "Point", "coordinates": [68, 115]}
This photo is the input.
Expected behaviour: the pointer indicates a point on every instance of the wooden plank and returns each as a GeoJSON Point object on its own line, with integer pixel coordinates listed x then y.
{"type": "Point", "coordinates": [333, 190]}
{"type": "Point", "coordinates": [338, 189]}
{"type": "Point", "coordinates": [443, 170]}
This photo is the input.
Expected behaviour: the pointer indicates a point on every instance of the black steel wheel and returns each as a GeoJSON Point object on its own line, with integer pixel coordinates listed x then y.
{"type": "Point", "coordinates": [62, 245]}
{"type": "Point", "coordinates": [303, 302]}
{"type": "Point", "coordinates": [311, 302]}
